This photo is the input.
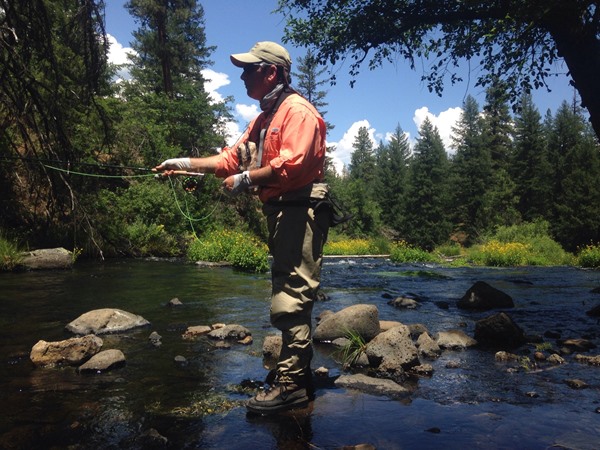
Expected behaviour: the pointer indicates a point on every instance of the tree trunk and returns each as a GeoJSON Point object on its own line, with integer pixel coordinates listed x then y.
{"type": "Point", "coordinates": [580, 49]}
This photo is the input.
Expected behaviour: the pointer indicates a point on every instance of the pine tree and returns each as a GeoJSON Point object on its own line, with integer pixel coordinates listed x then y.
{"type": "Point", "coordinates": [576, 157]}
{"type": "Point", "coordinates": [530, 168]}
{"type": "Point", "coordinates": [308, 84]}
{"type": "Point", "coordinates": [166, 96]}
{"type": "Point", "coordinates": [426, 216]}
{"type": "Point", "coordinates": [362, 160]}
{"type": "Point", "coordinates": [472, 173]}
{"type": "Point", "coordinates": [392, 178]}
{"type": "Point", "coordinates": [497, 129]}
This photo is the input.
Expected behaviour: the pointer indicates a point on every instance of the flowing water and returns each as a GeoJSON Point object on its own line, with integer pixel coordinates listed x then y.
{"type": "Point", "coordinates": [197, 404]}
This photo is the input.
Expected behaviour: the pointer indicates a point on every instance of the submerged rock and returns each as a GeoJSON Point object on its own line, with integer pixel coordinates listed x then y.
{"type": "Point", "coordinates": [232, 331]}
{"type": "Point", "coordinates": [68, 352]}
{"type": "Point", "coordinates": [374, 386]}
{"type": "Point", "coordinates": [103, 361]}
{"type": "Point", "coordinates": [106, 320]}
{"type": "Point", "coordinates": [482, 297]}
{"type": "Point", "coordinates": [499, 330]}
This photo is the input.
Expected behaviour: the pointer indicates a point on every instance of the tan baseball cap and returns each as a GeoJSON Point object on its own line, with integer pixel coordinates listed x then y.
{"type": "Point", "coordinates": [267, 52]}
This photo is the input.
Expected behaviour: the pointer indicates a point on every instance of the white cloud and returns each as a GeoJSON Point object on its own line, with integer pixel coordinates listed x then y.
{"type": "Point", "coordinates": [444, 122]}
{"type": "Point", "coordinates": [343, 149]}
{"type": "Point", "coordinates": [214, 81]}
{"type": "Point", "coordinates": [246, 112]}
{"type": "Point", "coordinates": [119, 55]}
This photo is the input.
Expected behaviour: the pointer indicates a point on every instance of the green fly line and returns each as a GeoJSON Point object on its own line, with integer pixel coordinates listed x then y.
{"type": "Point", "coordinates": [186, 214]}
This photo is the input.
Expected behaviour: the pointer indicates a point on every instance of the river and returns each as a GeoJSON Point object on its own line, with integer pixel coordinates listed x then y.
{"type": "Point", "coordinates": [198, 404]}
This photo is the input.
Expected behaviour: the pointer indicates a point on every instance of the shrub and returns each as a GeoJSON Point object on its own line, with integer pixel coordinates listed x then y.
{"type": "Point", "coordinates": [499, 254]}
{"type": "Point", "coordinates": [589, 256]}
{"type": "Point", "coordinates": [402, 252]}
{"type": "Point", "coordinates": [357, 247]}
{"type": "Point", "coordinates": [149, 239]}
{"type": "Point", "coordinates": [10, 254]}
{"type": "Point", "coordinates": [242, 250]}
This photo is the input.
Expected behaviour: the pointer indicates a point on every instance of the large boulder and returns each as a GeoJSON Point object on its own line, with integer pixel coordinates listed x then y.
{"type": "Point", "coordinates": [104, 361]}
{"type": "Point", "coordinates": [106, 320]}
{"type": "Point", "coordinates": [69, 352]}
{"type": "Point", "coordinates": [47, 258]}
{"type": "Point", "coordinates": [392, 352]}
{"type": "Point", "coordinates": [483, 297]}
{"type": "Point", "coordinates": [360, 319]}
{"type": "Point", "coordinates": [499, 331]}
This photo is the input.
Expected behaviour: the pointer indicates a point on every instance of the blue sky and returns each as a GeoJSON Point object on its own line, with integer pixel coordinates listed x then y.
{"type": "Point", "coordinates": [380, 100]}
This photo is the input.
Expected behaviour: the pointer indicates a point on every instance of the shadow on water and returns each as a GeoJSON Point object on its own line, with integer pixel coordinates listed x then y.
{"type": "Point", "coordinates": [471, 401]}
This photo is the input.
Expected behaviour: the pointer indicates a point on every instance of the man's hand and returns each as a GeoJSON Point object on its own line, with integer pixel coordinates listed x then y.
{"type": "Point", "coordinates": [237, 183]}
{"type": "Point", "coordinates": [174, 164]}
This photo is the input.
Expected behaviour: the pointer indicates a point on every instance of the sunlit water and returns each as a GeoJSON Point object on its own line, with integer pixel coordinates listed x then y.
{"type": "Point", "coordinates": [478, 405]}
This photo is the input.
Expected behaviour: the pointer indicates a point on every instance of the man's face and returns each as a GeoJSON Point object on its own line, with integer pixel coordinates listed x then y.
{"type": "Point", "coordinates": [259, 79]}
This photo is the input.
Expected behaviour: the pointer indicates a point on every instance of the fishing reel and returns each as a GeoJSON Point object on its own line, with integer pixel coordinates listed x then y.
{"type": "Point", "coordinates": [190, 181]}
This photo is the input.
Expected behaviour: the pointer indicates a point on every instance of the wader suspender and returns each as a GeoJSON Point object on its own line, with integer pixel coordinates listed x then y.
{"type": "Point", "coordinates": [261, 131]}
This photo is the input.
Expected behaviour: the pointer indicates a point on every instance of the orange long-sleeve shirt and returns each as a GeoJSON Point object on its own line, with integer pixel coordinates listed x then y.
{"type": "Point", "coordinates": [294, 147]}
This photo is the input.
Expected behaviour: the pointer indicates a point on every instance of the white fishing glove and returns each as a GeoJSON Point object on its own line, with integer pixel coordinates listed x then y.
{"type": "Point", "coordinates": [241, 181]}
{"type": "Point", "coordinates": [177, 164]}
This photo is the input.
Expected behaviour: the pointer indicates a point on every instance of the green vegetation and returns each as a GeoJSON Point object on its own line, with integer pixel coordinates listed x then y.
{"type": "Point", "coordinates": [242, 250]}
{"type": "Point", "coordinates": [516, 190]}
{"type": "Point", "coordinates": [589, 256]}
{"type": "Point", "coordinates": [10, 254]}
{"type": "Point", "coordinates": [352, 350]}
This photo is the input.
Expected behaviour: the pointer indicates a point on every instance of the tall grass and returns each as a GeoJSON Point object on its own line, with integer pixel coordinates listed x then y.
{"type": "Point", "coordinates": [242, 250]}
{"type": "Point", "coordinates": [10, 254]}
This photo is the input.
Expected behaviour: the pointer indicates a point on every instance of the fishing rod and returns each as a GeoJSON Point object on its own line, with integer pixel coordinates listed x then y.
{"type": "Point", "coordinates": [51, 164]}
{"type": "Point", "coordinates": [72, 163]}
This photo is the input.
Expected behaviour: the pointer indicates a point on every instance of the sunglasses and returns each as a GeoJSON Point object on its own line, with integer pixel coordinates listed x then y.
{"type": "Point", "coordinates": [252, 67]}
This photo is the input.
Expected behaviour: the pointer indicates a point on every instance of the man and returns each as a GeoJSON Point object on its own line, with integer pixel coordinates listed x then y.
{"type": "Point", "coordinates": [281, 155]}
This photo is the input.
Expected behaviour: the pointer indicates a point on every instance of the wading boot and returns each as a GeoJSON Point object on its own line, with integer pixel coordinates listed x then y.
{"type": "Point", "coordinates": [279, 397]}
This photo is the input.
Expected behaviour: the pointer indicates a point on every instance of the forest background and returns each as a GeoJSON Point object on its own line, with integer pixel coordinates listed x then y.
{"type": "Point", "coordinates": [75, 148]}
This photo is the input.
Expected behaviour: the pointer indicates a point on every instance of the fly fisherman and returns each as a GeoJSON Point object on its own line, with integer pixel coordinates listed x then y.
{"type": "Point", "coordinates": [281, 156]}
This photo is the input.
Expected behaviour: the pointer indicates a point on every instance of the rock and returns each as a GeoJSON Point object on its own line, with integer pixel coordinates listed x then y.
{"type": "Point", "coordinates": [174, 302]}
{"type": "Point", "coordinates": [49, 258]}
{"type": "Point", "coordinates": [106, 320]}
{"type": "Point", "coordinates": [385, 325]}
{"type": "Point", "coordinates": [404, 303]}
{"type": "Point", "coordinates": [499, 331]}
{"type": "Point", "coordinates": [482, 297]}
{"type": "Point", "coordinates": [591, 360]}
{"type": "Point", "coordinates": [272, 347]}
{"type": "Point", "coordinates": [103, 361]}
{"type": "Point", "coordinates": [374, 386]}
{"type": "Point", "coordinates": [503, 356]}
{"type": "Point", "coordinates": [417, 329]}
{"type": "Point", "coordinates": [246, 341]}
{"type": "Point", "coordinates": [180, 360]}
{"type": "Point", "coordinates": [556, 359]}
{"type": "Point", "coordinates": [232, 331]}
{"type": "Point", "coordinates": [423, 370]}
{"type": "Point", "coordinates": [392, 353]}
{"type": "Point", "coordinates": [195, 331]}
{"type": "Point", "coordinates": [576, 384]}
{"type": "Point", "coordinates": [361, 319]}
{"type": "Point", "coordinates": [454, 340]}
{"type": "Point", "coordinates": [581, 345]}
{"type": "Point", "coordinates": [539, 356]}
{"type": "Point", "coordinates": [155, 339]}
{"type": "Point", "coordinates": [428, 347]}
{"type": "Point", "coordinates": [69, 352]}
{"type": "Point", "coordinates": [359, 447]}
{"type": "Point", "coordinates": [594, 312]}
{"type": "Point", "coordinates": [322, 372]}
